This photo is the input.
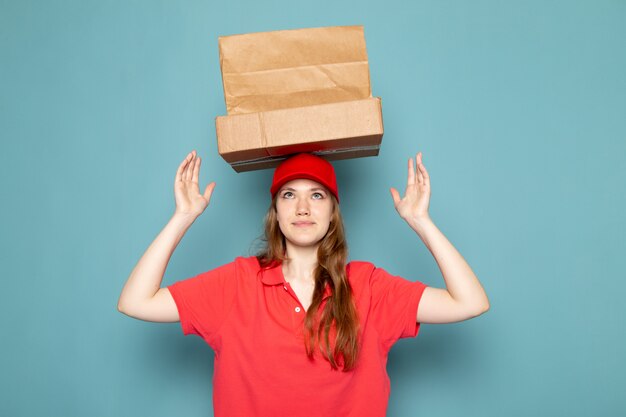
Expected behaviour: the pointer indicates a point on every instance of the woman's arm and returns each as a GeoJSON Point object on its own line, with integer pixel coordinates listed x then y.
{"type": "Point", "coordinates": [142, 297]}
{"type": "Point", "coordinates": [464, 296]}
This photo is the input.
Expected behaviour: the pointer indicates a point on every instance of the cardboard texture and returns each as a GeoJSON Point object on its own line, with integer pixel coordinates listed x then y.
{"type": "Point", "coordinates": [349, 129]}
{"type": "Point", "coordinates": [293, 68]}
{"type": "Point", "coordinates": [305, 90]}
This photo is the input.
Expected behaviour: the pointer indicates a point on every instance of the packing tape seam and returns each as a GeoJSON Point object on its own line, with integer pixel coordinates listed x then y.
{"type": "Point", "coordinates": [319, 153]}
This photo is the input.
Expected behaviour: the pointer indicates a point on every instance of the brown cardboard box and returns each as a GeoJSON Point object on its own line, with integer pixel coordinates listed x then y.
{"type": "Point", "coordinates": [292, 91]}
{"type": "Point", "coordinates": [348, 129]}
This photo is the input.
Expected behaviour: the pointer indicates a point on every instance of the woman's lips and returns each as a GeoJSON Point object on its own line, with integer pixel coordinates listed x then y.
{"type": "Point", "coordinates": [303, 224]}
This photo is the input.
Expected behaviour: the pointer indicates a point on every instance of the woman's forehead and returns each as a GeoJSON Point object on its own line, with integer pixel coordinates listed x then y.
{"type": "Point", "coordinates": [303, 184]}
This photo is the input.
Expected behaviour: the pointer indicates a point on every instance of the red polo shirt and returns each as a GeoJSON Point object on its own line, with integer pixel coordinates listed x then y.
{"type": "Point", "coordinates": [253, 320]}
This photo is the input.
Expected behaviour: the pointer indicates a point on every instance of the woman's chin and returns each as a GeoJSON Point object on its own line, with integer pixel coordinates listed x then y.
{"type": "Point", "coordinates": [304, 243]}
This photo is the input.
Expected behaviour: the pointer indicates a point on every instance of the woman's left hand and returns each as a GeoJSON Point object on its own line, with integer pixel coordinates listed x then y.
{"type": "Point", "coordinates": [413, 207]}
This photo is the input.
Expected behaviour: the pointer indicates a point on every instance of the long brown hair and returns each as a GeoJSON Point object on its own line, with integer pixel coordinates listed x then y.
{"type": "Point", "coordinates": [338, 318]}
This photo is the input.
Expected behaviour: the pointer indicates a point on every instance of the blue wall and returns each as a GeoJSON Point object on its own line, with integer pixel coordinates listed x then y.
{"type": "Point", "coordinates": [519, 108]}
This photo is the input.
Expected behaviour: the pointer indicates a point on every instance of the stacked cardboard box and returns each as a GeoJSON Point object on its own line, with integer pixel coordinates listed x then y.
{"type": "Point", "coordinates": [305, 90]}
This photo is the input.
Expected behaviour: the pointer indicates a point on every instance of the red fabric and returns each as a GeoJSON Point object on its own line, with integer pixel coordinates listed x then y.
{"type": "Point", "coordinates": [253, 321]}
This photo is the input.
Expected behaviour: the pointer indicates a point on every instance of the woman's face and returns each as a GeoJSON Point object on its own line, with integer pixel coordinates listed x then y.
{"type": "Point", "coordinates": [304, 210]}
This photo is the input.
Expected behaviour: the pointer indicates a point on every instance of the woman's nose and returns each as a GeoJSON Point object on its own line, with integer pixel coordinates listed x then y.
{"type": "Point", "coordinates": [302, 208]}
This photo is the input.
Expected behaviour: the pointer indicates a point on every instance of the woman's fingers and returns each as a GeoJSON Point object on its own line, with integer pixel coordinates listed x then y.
{"type": "Point", "coordinates": [189, 168]}
{"type": "Point", "coordinates": [395, 195]}
{"type": "Point", "coordinates": [188, 161]}
{"type": "Point", "coordinates": [423, 172]}
{"type": "Point", "coordinates": [196, 170]}
{"type": "Point", "coordinates": [181, 168]}
{"type": "Point", "coordinates": [411, 175]}
{"type": "Point", "coordinates": [418, 162]}
{"type": "Point", "coordinates": [415, 201]}
{"type": "Point", "coordinates": [208, 191]}
{"type": "Point", "coordinates": [186, 190]}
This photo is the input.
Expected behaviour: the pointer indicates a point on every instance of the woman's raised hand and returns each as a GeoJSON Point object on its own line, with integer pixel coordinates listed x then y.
{"type": "Point", "coordinates": [189, 201]}
{"type": "Point", "coordinates": [413, 207]}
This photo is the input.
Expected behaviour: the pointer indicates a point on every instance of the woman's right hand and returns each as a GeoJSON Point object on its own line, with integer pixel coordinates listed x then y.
{"type": "Point", "coordinates": [189, 201]}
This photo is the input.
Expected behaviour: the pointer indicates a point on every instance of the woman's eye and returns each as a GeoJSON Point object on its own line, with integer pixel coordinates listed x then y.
{"type": "Point", "coordinates": [317, 196]}
{"type": "Point", "coordinates": [287, 194]}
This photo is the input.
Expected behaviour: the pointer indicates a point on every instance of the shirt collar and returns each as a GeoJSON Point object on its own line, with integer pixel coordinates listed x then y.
{"type": "Point", "coordinates": [274, 276]}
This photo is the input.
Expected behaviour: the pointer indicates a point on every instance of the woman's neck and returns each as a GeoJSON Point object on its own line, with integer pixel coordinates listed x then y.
{"type": "Point", "coordinates": [301, 264]}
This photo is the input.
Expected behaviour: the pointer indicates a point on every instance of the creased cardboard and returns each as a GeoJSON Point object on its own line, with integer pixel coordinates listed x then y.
{"type": "Point", "coordinates": [293, 68]}
{"type": "Point", "coordinates": [305, 90]}
{"type": "Point", "coordinates": [341, 130]}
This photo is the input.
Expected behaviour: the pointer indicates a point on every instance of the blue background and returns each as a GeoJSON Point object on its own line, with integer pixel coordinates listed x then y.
{"type": "Point", "coordinates": [519, 108]}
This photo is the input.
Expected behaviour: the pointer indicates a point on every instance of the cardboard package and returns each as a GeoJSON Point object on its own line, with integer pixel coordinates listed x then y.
{"type": "Point", "coordinates": [292, 91]}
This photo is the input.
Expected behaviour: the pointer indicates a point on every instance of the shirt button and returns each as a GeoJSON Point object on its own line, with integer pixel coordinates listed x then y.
{"type": "Point", "coordinates": [297, 309]}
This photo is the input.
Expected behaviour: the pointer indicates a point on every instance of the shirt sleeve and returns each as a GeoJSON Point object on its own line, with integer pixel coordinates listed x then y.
{"type": "Point", "coordinates": [204, 301]}
{"type": "Point", "coordinates": [394, 306]}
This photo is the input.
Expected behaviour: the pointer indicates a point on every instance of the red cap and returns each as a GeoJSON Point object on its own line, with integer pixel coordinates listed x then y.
{"type": "Point", "coordinates": [308, 166]}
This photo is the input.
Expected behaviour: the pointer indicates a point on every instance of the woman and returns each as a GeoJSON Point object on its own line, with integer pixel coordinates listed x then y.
{"type": "Point", "coordinates": [295, 330]}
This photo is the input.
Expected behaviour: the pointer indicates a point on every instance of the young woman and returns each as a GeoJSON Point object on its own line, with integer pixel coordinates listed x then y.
{"type": "Point", "coordinates": [295, 330]}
